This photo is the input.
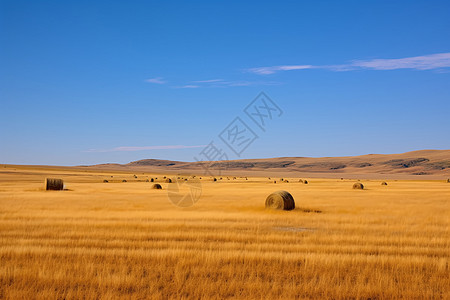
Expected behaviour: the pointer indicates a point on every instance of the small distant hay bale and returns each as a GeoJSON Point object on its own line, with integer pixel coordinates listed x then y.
{"type": "Point", "coordinates": [134, 176]}
{"type": "Point", "coordinates": [448, 180]}
{"type": "Point", "coordinates": [274, 181]}
{"type": "Point", "coordinates": [168, 180]}
{"type": "Point", "coordinates": [112, 176]}
{"type": "Point", "coordinates": [220, 178]}
{"type": "Point", "coordinates": [358, 186]}
{"type": "Point", "coordinates": [282, 179]}
{"type": "Point", "coordinates": [152, 180]}
{"type": "Point", "coordinates": [281, 200]}
{"type": "Point", "coordinates": [124, 180]}
{"type": "Point", "coordinates": [215, 179]}
{"type": "Point", "coordinates": [305, 181]}
{"type": "Point", "coordinates": [164, 177]}
{"type": "Point", "coordinates": [54, 184]}
{"type": "Point", "coordinates": [384, 183]}
{"type": "Point", "coordinates": [342, 178]}
{"type": "Point", "coordinates": [185, 179]}
{"type": "Point", "coordinates": [105, 181]}
{"type": "Point", "coordinates": [300, 180]}
{"type": "Point", "coordinates": [287, 181]}
{"type": "Point", "coordinates": [157, 186]}
{"type": "Point", "coordinates": [200, 178]}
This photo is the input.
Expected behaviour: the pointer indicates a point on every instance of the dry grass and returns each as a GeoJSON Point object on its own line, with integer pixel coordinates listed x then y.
{"type": "Point", "coordinates": [126, 240]}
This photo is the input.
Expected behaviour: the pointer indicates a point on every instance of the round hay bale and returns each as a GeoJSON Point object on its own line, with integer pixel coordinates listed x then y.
{"type": "Point", "coordinates": [215, 179]}
{"type": "Point", "coordinates": [152, 180]}
{"type": "Point", "coordinates": [448, 180]}
{"type": "Point", "coordinates": [168, 180]}
{"type": "Point", "coordinates": [305, 181]}
{"type": "Point", "coordinates": [105, 181]}
{"type": "Point", "coordinates": [54, 184]}
{"type": "Point", "coordinates": [358, 186]}
{"type": "Point", "coordinates": [124, 180]}
{"type": "Point", "coordinates": [134, 176]}
{"type": "Point", "coordinates": [157, 186]}
{"type": "Point", "coordinates": [164, 177]}
{"type": "Point", "coordinates": [281, 200]}
{"type": "Point", "coordinates": [300, 180]}
{"type": "Point", "coordinates": [274, 181]}
{"type": "Point", "coordinates": [384, 183]}
{"type": "Point", "coordinates": [287, 181]}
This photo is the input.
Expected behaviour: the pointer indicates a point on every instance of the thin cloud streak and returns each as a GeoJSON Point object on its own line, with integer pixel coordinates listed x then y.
{"type": "Point", "coordinates": [157, 80]}
{"type": "Point", "coordinates": [274, 69]}
{"type": "Point", "coordinates": [142, 148]}
{"type": "Point", "coordinates": [425, 62]}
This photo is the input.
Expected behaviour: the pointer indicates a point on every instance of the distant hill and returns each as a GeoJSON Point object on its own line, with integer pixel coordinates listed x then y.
{"type": "Point", "coordinates": [423, 162]}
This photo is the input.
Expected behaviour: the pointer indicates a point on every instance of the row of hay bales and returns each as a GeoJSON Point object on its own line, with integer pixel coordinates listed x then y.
{"type": "Point", "coordinates": [57, 184]}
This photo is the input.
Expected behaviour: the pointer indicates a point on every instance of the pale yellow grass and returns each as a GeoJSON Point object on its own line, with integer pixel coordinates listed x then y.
{"type": "Point", "coordinates": [111, 240]}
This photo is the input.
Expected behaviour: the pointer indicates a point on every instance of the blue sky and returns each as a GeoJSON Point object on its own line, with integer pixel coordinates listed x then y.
{"type": "Point", "coordinates": [84, 82]}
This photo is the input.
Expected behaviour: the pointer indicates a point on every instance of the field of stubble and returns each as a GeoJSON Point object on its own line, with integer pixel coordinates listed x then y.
{"type": "Point", "coordinates": [123, 239]}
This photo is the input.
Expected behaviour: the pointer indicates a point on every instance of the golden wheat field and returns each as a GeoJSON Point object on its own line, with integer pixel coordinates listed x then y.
{"type": "Point", "coordinates": [124, 240]}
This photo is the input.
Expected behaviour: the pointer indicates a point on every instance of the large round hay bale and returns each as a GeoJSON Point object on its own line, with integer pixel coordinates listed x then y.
{"type": "Point", "coordinates": [384, 183]}
{"type": "Point", "coordinates": [281, 200]}
{"type": "Point", "coordinates": [157, 186]}
{"type": "Point", "coordinates": [54, 184]}
{"type": "Point", "coordinates": [168, 180]}
{"type": "Point", "coordinates": [358, 186]}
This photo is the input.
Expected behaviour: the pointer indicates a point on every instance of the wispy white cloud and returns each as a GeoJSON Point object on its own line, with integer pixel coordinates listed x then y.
{"type": "Point", "coordinates": [274, 69]}
{"type": "Point", "coordinates": [157, 80]}
{"type": "Point", "coordinates": [187, 86]}
{"type": "Point", "coordinates": [142, 148]}
{"type": "Point", "coordinates": [425, 62]}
